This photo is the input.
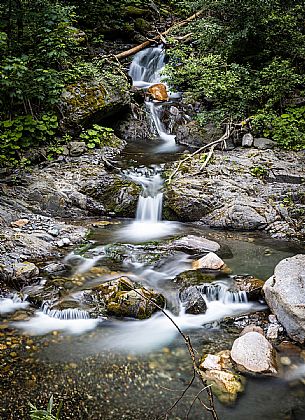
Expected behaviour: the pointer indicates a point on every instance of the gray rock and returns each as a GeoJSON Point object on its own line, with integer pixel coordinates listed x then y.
{"type": "Point", "coordinates": [210, 261]}
{"type": "Point", "coordinates": [253, 353]}
{"type": "Point", "coordinates": [24, 271]}
{"type": "Point", "coordinates": [192, 134]}
{"type": "Point", "coordinates": [77, 148]}
{"type": "Point", "coordinates": [284, 294]}
{"type": "Point", "coordinates": [247, 140]}
{"type": "Point", "coordinates": [63, 242]}
{"type": "Point", "coordinates": [263, 144]}
{"type": "Point", "coordinates": [195, 244]}
{"type": "Point", "coordinates": [193, 301]}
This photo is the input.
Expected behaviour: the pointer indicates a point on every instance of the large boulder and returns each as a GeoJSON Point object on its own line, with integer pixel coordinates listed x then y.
{"type": "Point", "coordinates": [253, 353]}
{"type": "Point", "coordinates": [93, 100]}
{"type": "Point", "coordinates": [285, 295]}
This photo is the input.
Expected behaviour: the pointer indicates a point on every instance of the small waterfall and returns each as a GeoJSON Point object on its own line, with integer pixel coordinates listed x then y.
{"type": "Point", "coordinates": [220, 291]}
{"type": "Point", "coordinates": [12, 303]}
{"type": "Point", "coordinates": [65, 314]}
{"type": "Point", "coordinates": [145, 71]}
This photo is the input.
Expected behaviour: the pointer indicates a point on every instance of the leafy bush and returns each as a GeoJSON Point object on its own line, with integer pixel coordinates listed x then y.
{"type": "Point", "coordinates": [21, 133]}
{"type": "Point", "coordinates": [97, 136]}
{"type": "Point", "coordinates": [288, 129]}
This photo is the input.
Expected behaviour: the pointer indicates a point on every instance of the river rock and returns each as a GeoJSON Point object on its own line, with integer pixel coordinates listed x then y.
{"type": "Point", "coordinates": [217, 370]}
{"type": "Point", "coordinates": [25, 271]}
{"type": "Point", "coordinates": [193, 301]}
{"type": "Point", "coordinates": [195, 277]}
{"type": "Point", "coordinates": [249, 284]}
{"type": "Point", "coordinates": [158, 92]}
{"type": "Point", "coordinates": [210, 261]}
{"type": "Point", "coordinates": [195, 244]}
{"type": "Point", "coordinates": [121, 301]}
{"type": "Point", "coordinates": [253, 353]}
{"type": "Point", "coordinates": [284, 294]}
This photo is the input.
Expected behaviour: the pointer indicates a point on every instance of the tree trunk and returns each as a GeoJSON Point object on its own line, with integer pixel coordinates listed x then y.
{"type": "Point", "coordinates": [145, 44]}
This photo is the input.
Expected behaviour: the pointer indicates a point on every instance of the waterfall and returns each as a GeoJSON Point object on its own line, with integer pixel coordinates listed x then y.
{"type": "Point", "coordinates": [65, 314]}
{"type": "Point", "coordinates": [145, 71]}
{"type": "Point", "coordinates": [220, 291]}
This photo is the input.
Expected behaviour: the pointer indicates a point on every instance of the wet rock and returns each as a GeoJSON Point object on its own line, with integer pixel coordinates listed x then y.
{"type": "Point", "coordinates": [193, 301]}
{"type": "Point", "coordinates": [121, 301]}
{"type": "Point", "coordinates": [158, 92]}
{"type": "Point", "coordinates": [210, 261]}
{"type": "Point", "coordinates": [20, 223]}
{"type": "Point", "coordinates": [249, 284]}
{"type": "Point", "coordinates": [194, 277]}
{"type": "Point", "coordinates": [217, 370]}
{"type": "Point", "coordinates": [247, 140]}
{"type": "Point", "coordinates": [284, 294]}
{"type": "Point", "coordinates": [56, 269]}
{"type": "Point", "coordinates": [25, 271]}
{"type": "Point", "coordinates": [254, 354]}
{"type": "Point", "coordinates": [195, 244]}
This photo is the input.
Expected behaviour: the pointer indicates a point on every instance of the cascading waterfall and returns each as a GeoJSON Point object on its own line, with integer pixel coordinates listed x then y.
{"type": "Point", "coordinates": [65, 314]}
{"type": "Point", "coordinates": [145, 71]}
{"type": "Point", "coordinates": [220, 291]}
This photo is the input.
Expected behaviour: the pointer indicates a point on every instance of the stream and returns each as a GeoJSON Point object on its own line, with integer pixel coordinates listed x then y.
{"type": "Point", "coordinates": [109, 368]}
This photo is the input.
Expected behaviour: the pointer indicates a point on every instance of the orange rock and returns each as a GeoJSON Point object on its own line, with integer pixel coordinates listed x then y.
{"type": "Point", "coordinates": [20, 223]}
{"type": "Point", "coordinates": [158, 92]}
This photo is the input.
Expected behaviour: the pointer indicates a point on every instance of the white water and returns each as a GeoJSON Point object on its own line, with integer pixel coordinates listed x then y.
{"type": "Point", "coordinates": [145, 71]}
{"type": "Point", "coordinates": [11, 304]}
{"type": "Point", "coordinates": [148, 224]}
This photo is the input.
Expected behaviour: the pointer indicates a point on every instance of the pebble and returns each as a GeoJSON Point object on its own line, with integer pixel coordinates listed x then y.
{"type": "Point", "coordinates": [285, 361]}
{"type": "Point", "coordinates": [63, 242]}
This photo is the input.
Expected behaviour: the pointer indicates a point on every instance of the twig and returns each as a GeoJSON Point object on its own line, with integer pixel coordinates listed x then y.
{"type": "Point", "coordinates": [193, 402]}
{"type": "Point", "coordinates": [211, 408]}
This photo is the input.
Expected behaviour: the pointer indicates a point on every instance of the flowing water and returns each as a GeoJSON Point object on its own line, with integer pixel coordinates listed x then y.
{"type": "Point", "coordinates": [131, 369]}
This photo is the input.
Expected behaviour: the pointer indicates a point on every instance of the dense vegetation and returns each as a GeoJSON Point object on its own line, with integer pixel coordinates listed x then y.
{"type": "Point", "coordinates": [240, 58]}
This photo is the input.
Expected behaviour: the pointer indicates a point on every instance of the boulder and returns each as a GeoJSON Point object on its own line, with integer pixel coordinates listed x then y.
{"type": "Point", "coordinates": [254, 354]}
{"type": "Point", "coordinates": [158, 92]}
{"type": "Point", "coordinates": [193, 301]}
{"type": "Point", "coordinates": [195, 244]}
{"type": "Point", "coordinates": [284, 294]}
{"type": "Point", "coordinates": [210, 261]}
{"type": "Point", "coordinates": [263, 144]}
{"type": "Point", "coordinates": [217, 370]}
{"type": "Point", "coordinates": [192, 134]}
{"type": "Point", "coordinates": [24, 271]}
{"type": "Point", "coordinates": [124, 298]}
{"type": "Point", "coordinates": [90, 101]}
{"type": "Point", "coordinates": [195, 277]}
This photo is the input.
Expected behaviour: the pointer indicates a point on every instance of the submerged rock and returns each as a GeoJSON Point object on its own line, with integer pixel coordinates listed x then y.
{"type": "Point", "coordinates": [284, 294]}
{"type": "Point", "coordinates": [193, 301]}
{"type": "Point", "coordinates": [254, 354]}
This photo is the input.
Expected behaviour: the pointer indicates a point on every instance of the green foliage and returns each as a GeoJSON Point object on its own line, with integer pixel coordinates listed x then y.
{"type": "Point", "coordinates": [259, 171]}
{"type": "Point", "coordinates": [288, 129]}
{"type": "Point", "coordinates": [22, 133]}
{"type": "Point", "coordinates": [36, 414]}
{"type": "Point", "coordinates": [97, 136]}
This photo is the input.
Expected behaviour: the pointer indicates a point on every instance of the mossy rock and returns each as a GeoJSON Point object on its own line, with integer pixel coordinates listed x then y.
{"type": "Point", "coordinates": [195, 277]}
{"type": "Point", "coordinates": [135, 11]}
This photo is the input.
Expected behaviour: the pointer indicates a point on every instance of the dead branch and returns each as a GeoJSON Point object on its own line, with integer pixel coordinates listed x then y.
{"type": "Point", "coordinates": [160, 36]}
{"type": "Point", "coordinates": [212, 145]}
{"type": "Point", "coordinates": [211, 407]}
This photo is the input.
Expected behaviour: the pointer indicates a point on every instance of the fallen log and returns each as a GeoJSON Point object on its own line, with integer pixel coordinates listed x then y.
{"type": "Point", "coordinates": [158, 37]}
